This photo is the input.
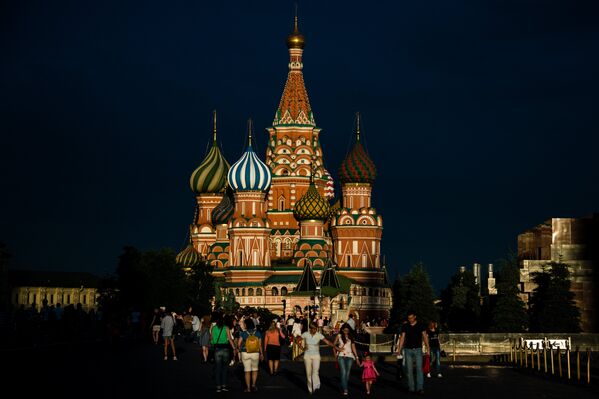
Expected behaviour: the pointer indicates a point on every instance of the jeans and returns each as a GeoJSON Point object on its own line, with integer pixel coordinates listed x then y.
{"type": "Point", "coordinates": [221, 366]}
{"type": "Point", "coordinates": [345, 364]}
{"type": "Point", "coordinates": [411, 356]}
{"type": "Point", "coordinates": [312, 363]}
{"type": "Point", "coordinates": [436, 360]}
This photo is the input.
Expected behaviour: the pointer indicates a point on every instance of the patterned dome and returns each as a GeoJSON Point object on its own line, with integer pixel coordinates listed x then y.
{"type": "Point", "coordinates": [249, 173]}
{"type": "Point", "coordinates": [189, 257]}
{"type": "Point", "coordinates": [221, 214]}
{"type": "Point", "coordinates": [312, 206]}
{"type": "Point", "coordinates": [357, 167]}
{"type": "Point", "coordinates": [211, 175]}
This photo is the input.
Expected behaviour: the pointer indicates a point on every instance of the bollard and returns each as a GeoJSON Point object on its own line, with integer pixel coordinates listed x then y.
{"type": "Point", "coordinates": [526, 357]}
{"type": "Point", "coordinates": [588, 366]}
{"type": "Point", "coordinates": [532, 358]}
{"type": "Point", "coordinates": [578, 364]}
{"type": "Point", "coordinates": [454, 351]}
{"type": "Point", "coordinates": [559, 361]}
{"type": "Point", "coordinates": [552, 369]}
{"type": "Point", "coordinates": [568, 361]}
{"type": "Point", "coordinates": [545, 357]}
{"type": "Point", "coordinates": [538, 358]}
{"type": "Point", "coordinates": [511, 352]}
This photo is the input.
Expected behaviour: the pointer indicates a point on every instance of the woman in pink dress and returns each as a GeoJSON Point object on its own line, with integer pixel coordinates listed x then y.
{"type": "Point", "coordinates": [369, 373]}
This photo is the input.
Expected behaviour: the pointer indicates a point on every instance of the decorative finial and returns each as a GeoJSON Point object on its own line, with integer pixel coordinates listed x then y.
{"type": "Point", "coordinates": [295, 39]}
{"type": "Point", "coordinates": [214, 126]}
{"type": "Point", "coordinates": [358, 126]}
{"type": "Point", "coordinates": [250, 129]}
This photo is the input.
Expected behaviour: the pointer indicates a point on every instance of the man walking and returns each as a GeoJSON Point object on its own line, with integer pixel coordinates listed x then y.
{"type": "Point", "coordinates": [413, 334]}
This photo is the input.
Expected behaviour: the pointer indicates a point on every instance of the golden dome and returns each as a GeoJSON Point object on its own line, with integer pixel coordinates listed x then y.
{"type": "Point", "coordinates": [296, 39]}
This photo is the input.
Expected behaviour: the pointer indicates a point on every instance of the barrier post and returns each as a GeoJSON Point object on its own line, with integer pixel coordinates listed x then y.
{"type": "Point", "coordinates": [454, 344]}
{"type": "Point", "coordinates": [526, 357]}
{"type": "Point", "coordinates": [588, 366]}
{"type": "Point", "coordinates": [538, 358]}
{"type": "Point", "coordinates": [532, 358]}
{"type": "Point", "coordinates": [545, 356]}
{"type": "Point", "coordinates": [568, 361]}
{"type": "Point", "coordinates": [577, 364]}
{"type": "Point", "coordinates": [559, 361]}
{"type": "Point", "coordinates": [552, 368]}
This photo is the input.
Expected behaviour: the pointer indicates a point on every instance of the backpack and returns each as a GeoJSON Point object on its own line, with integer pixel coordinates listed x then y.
{"type": "Point", "coordinates": [252, 343]}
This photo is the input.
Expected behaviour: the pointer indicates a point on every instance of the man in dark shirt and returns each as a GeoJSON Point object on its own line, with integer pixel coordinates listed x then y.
{"type": "Point", "coordinates": [413, 334]}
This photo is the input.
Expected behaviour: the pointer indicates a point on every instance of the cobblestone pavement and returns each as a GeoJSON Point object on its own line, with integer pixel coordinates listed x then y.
{"type": "Point", "coordinates": [139, 371]}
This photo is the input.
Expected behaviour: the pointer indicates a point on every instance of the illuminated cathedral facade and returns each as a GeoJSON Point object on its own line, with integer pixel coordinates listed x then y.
{"type": "Point", "coordinates": [273, 231]}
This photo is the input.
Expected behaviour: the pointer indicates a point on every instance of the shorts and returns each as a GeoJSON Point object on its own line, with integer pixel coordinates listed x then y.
{"type": "Point", "coordinates": [250, 361]}
{"type": "Point", "coordinates": [155, 328]}
{"type": "Point", "coordinates": [168, 337]}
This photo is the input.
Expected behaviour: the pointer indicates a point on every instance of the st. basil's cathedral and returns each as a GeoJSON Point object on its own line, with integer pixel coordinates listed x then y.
{"type": "Point", "coordinates": [268, 229]}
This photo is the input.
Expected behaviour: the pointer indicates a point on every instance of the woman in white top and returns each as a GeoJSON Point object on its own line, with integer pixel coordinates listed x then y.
{"type": "Point", "coordinates": [346, 354]}
{"type": "Point", "coordinates": [310, 341]}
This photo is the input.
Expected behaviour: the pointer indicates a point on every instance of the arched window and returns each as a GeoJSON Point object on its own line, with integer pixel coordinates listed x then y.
{"type": "Point", "coordinates": [237, 291]}
{"type": "Point", "coordinates": [281, 203]}
{"type": "Point", "coordinates": [275, 291]}
{"type": "Point", "coordinates": [348, 261]}
{"type": "Point", "coordinates": [287, 243]}
{"type": "Point", "coordinates": [363, 291]}
{"type": "Point", "coordinates": [243, 292]}
{"type": "Point", "coordinates": [230, 290]}
{"type": "Point", "coordinates": [283, 291]}
{"type": "Point", "coordinates": [250, 292]}
{"type": "Point", "coordinates": [259, 291]}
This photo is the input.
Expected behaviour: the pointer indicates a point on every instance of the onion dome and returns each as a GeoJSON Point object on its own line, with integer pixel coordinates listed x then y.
{"type": "Point", "coordinates": [329, 189]}
{"type": "Point", "coordinates": [211, 175]}
{"type": "Point", "coordinates": [295, 39]}
{"type": "Point", "coordinates": [357, 167]}
{"type": "Point", "coordinates": [249, 173]}
{"type": "Point", "coordinates": [221, 214]}
{"type": "Point", "coordinates": [312, 205]}
{"type": "Point", "coordinates": [189, 257]}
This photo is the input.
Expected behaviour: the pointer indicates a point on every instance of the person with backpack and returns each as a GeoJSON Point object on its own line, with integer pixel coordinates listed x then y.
{"type": "Point", "coordinates": [250, 346]}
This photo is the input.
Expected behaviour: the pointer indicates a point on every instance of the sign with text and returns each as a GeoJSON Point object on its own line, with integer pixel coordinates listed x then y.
{"type": "Point", "coordinates": [551, 343]}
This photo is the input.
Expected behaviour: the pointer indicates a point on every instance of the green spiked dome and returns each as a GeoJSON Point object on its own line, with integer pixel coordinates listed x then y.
{"type": "Point", "coordinates": [357, 167]}
{"type": "Point", "coordinates": [222, 213]}
{"type": "Point", "coordinates": [211, 175]}
{"type": "Point", "coordinates": [189, 257]}
{"type": "Point", "coordinates": [312, 206]}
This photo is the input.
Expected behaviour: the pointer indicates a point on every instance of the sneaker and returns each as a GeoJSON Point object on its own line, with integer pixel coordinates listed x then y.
{"type": "Point", "coordinates": [224, 389]}
{"type": "Point", "coordinates": [218, 389]}
{"type": "Point", "coordinates": [175, 358]}
{"type": "Point", "coordinates": [439, 375]}
{"type": "Point", "coordinates": [166, 358]}
{"type": "Point", "coordinates": [428, 375]}
{"type": "Point", "coordinates": [420, 392]}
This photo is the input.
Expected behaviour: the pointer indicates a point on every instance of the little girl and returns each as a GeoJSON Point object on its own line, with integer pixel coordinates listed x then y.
{"type": "Point", "coordinates": [370, 372]}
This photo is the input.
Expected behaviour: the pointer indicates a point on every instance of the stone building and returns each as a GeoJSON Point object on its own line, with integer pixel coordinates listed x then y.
{"type": "Point", "coordinates": [67, 288]}
{"type": "Point", "coordinates": [574, 242]}
{"type": "Point", "coordinates": [264, 226]}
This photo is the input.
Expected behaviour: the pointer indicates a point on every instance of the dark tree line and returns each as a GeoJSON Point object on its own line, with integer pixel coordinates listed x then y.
{"type": "Point", "coordinates": [465, 307]}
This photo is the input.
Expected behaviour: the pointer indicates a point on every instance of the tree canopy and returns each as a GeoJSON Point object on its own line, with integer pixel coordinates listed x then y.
{"type": "Point", "coordinates": [509, 312]}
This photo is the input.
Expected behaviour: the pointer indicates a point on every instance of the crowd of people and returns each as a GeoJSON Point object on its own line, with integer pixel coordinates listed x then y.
{"type": "Point", "coordinates": [245, 338]}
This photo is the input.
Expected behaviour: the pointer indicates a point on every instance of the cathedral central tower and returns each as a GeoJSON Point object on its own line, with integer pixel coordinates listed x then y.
{"type": "Point", "coordinates": [293, 153]}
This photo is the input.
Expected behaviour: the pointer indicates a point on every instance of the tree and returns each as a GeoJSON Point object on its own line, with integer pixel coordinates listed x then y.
{"type": "Point", "coordinates": [552, 306]}
{"type": "Point", "coordinates": [414, 292]}
{"type": "Point", "coordinates": [200, 288]}
{"type": "Point", "coordinates": [4, 288]}
{"type": "Point", "coordinates": [509, 312]}
{"type": "Point", "coordinates": [230, 305]}
{"type": "Point", "coordinates": [461, 302]}
{"type": "Point", "coordinates": [129, 276]}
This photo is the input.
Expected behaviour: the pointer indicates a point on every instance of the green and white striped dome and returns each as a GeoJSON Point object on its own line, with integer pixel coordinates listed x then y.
{"type": "Point", "coordinates": [211, 175]}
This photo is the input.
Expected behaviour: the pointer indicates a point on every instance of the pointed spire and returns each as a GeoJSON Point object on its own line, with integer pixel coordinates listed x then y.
{"type": "Point", "coordinates": [358, 126]}
{"type": "Point", "coordinates": [214, 127]}
{"type": "Point", "coordinates": [250, 131]}
{"type": "Point", "coordinates": [307, 281]}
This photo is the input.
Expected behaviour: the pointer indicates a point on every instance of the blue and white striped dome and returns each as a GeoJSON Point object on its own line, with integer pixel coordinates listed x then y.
{"type": "Point", "coordinates": [249, 173]}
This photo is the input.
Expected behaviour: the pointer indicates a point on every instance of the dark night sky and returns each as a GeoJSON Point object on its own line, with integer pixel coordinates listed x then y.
{"type": "Point", "coordinates": [480, 115]}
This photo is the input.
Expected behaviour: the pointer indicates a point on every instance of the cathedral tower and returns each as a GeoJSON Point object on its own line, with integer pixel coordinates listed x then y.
{"type": "Point", "coordinates": [293, 152]}
{"type": "Point", "coordinates": [357, 228]}
{"type": "Point", "coordinates": [207, 182]}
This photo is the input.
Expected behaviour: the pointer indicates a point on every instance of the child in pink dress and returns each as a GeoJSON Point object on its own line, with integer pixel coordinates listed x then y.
{"type": "Point", "coordinates": [369, 373]}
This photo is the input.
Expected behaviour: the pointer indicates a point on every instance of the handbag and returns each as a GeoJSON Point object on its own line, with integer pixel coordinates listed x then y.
{"type": "Point", "coordinates": [426, 364]}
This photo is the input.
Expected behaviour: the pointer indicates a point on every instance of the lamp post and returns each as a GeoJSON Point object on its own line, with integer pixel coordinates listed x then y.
{"type": "Point", "coordinates": [320, 296]}
{"type": "Point", "coordinates": [284, 306]}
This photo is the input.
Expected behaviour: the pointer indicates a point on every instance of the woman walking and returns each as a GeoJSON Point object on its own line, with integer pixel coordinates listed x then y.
{"type": "Point", "coordinates": [156, 319]}
{"type": "Point", "coordinates": [222, 342]}
{"type": "Point", "coordinates": [310, 341]}
{"type": "Point", "coordinates": [205, 336]}
{"type": "Point", "coordinates": [346, 355]}
{"type": "Point", "coordinates": [272, 347]}
{"type": "Point", "coordinates": [250, 346]}
{"type": "Point", "coordinates": [435, 346]}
